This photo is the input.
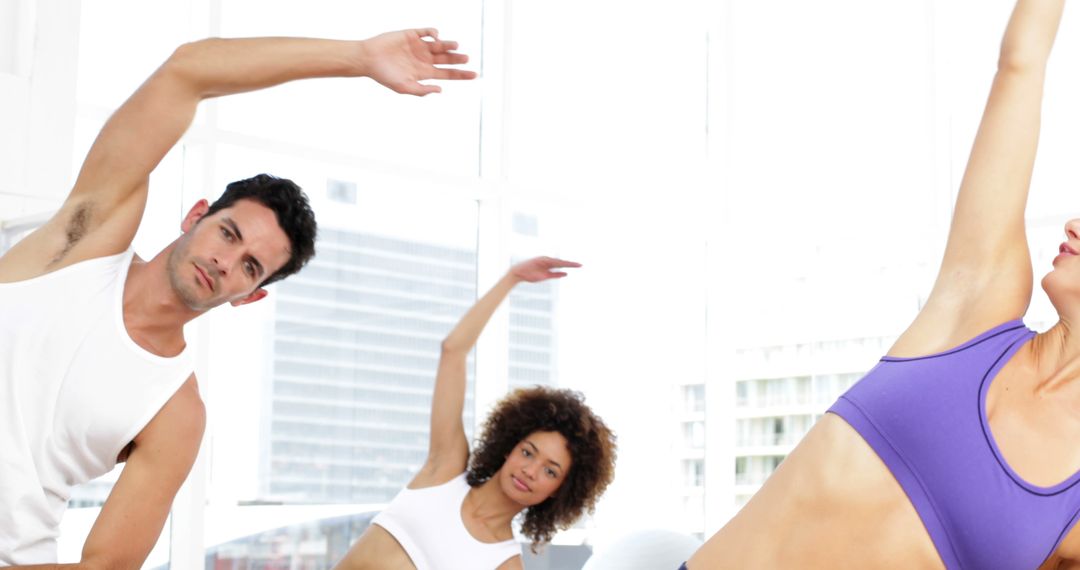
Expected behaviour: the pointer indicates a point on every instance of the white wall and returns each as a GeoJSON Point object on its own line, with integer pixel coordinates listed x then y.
{"type": "Point", "coordinates": [38, 63]}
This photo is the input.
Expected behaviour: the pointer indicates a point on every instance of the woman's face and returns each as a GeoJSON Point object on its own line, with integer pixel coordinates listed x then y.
{"type": "Point", "coordinates": [1063, 282]}
{"type": "Point", "coordinates": [535, 468]}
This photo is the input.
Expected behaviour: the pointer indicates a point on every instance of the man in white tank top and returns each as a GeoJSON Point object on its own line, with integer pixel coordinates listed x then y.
{"type": "Point", "coordinates": [93, 361]}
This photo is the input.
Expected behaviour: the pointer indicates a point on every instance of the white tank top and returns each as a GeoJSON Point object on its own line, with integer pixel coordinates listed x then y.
{"type": "Point", "coordinates": [74, 391]}
{"type": "Point", "coordinates": [427, 523]}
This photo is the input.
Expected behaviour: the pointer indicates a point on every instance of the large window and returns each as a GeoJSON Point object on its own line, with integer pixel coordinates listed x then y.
{"type": "Point", "coordinates": [14, 230]}
{"type": "Point", "coordinates": [759, 209]}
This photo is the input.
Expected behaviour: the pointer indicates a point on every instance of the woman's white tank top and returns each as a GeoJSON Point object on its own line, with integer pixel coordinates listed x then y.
{"type": "Point", "coordinates": [75, 389]}
{"type": "Point", "coordinates": [427, 523]}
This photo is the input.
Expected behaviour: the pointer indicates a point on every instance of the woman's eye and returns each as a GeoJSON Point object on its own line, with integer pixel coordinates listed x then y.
{"type": "Point", "coordinates": [249, 268]}
{"type": "Point", "coordinates": [551, 473]}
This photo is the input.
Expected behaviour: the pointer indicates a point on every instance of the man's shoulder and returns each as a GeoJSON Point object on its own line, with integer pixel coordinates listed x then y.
{"type": "Point", "coordinates": [188, 403]}
{"type": "Point", "coordinates": [183, 417]}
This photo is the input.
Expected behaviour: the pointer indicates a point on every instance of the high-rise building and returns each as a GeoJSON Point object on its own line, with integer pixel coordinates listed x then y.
{"type": "Point", "coordinates": [532, 340]}
{"type": "Point", "coordinates": [355, 351]}
{"type": "Point", "coordinates": [691, 453]}
{"type": "Point", "coordinates": [781, 391]}
{"type": "Point", "coordinates": [356, 346]}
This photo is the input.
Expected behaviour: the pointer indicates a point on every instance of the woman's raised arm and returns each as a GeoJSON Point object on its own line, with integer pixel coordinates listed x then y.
{"type": "Point", "coordinates": [986, 277]}
{"type": "Point", "coordinates": [448, 453]}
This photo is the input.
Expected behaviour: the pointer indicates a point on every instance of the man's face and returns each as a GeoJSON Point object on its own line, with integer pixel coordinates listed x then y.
{"type": "Point", "coordinates": [222, 258]}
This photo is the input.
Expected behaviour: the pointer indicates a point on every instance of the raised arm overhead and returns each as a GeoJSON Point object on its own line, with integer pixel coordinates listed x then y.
{"type": "Point", "coordinates": [448, 453]}
{"type": "Point", "coordinates": [985, 276]}
{"type": "Point", "coordinates": [104, 209]}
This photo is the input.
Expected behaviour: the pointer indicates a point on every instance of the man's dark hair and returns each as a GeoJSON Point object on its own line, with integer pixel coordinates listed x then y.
{"type": "Point", "coordinates": [292, 209]}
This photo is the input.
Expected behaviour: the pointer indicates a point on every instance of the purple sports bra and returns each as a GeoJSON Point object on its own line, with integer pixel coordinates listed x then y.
{"type": "Point", "coordinates": [926, 418]}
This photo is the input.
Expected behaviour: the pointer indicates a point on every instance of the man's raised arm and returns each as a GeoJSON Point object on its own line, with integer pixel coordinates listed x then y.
{"type": "Point", "coordinates": [103, 211]}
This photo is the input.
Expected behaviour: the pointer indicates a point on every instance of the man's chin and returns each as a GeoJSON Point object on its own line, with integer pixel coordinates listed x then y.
{"type": "Point", "coordinates": [193, 302]}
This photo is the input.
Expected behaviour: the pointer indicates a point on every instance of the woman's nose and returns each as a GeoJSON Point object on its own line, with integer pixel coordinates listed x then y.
{"type": "Point", "coordinates": [1072, 229]}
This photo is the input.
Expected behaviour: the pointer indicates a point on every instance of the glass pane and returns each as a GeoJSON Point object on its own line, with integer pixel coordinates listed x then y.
{"type": "Point", "coordinates": [359, 118]}
{"type": "Point", "coordinates": [10, 35]}
{"type": "Point", "coordinates": [532, 335]}
{"type": "Point", "coordinates": [327, 383]}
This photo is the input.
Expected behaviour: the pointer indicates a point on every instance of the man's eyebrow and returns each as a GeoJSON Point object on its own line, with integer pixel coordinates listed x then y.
{"type": "Point", "coordinates": [236, 230]}
{"type": "Point", "coordinates": [232, 226]}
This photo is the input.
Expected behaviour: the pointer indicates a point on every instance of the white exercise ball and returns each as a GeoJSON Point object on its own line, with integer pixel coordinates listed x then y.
{"type": "Point", "coordinates": [650, 549]}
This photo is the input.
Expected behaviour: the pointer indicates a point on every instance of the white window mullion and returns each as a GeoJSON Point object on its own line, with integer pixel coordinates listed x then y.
{"type": "Point", "coordinates": [187, 548]}
{"type": "Point", "coordinates": [492, 350]}
{"type": "Point", "coordinates": [493, 256]}
{"type": "Point", "coordinates": [720, 387]}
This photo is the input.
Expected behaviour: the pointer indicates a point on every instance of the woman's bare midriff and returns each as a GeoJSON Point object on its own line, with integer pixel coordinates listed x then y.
{"type": "Point", "coordinates": [376, 549]}
{"type": "Point", "coordinates": [831, 504]}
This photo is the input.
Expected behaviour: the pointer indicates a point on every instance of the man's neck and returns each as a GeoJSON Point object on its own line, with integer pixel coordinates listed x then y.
{"type": "Point", "coordinates": [154, 316]}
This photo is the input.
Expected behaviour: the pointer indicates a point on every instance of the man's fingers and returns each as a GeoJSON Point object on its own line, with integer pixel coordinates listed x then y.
{"type": "Point", "coordinates": [422, 89]}
{"type": "Point", "coordinates": [441, 73]}
{"type": "Point", "coordinates": [450, 58]}
{"type": "Point", "coordinates": [438, 46]}
{"type": "Point", "coordinates": [415, 88]}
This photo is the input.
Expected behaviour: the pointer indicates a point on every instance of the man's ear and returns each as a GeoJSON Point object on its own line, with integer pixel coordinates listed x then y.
{"type": "Point", "coordinates": [254, 296]}
{"type": "Point", "coordinates": [194, 215]}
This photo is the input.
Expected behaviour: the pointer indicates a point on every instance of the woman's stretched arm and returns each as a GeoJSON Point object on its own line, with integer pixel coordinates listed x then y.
{"type": "Point", "coordinates": [985, 276]}
{"type": "Point", "coordinates": [448, 453]}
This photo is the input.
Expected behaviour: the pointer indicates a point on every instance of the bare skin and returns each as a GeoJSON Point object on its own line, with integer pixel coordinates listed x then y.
{"type": "Point", "coordinates": [532, 472]}
{"type": "Point", "coordinates": [220, 258]}
{"type": "Point", "coordinates": [833, 503]}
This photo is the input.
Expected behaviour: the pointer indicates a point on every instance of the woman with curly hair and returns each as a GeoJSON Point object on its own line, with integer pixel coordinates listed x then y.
{"type": "Point", "coordinates": [542, 451]}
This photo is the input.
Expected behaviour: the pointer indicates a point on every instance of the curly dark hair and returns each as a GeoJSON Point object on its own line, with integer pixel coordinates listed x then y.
{"type": "Point", "coordinates": [590, 442]}
{"type": "Point", "coordinates": [292, 209]}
